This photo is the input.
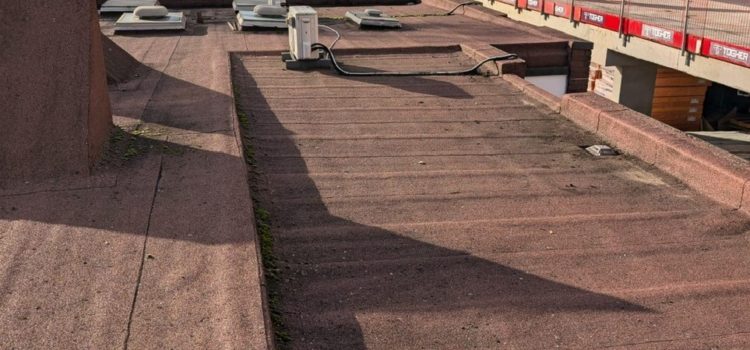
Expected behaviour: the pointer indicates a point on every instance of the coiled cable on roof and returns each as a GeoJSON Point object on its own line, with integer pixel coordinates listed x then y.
{"type": "Point", "coordinates": [335, 65]}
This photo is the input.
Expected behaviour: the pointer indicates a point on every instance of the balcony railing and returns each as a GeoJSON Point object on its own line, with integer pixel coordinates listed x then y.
{"type": "Point", "coordinates": [718, 29]}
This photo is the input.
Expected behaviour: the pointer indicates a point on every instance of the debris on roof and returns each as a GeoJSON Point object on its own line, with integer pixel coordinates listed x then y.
{"type": "Point", "coordinates": [601, 150]}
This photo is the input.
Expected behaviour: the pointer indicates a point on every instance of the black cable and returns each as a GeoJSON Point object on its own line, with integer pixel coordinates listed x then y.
{"type": "Point", "coordinates": [469, 71]}
{"type": "Point", "coordinates": [462, 5]}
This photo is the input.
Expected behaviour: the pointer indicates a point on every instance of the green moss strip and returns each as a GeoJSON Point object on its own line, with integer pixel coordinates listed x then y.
{"type": "Point", "coordinates": [263, 228]}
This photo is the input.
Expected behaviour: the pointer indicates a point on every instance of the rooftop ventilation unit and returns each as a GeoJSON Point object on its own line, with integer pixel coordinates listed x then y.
{"type": "Point", "coordinates": [120, 6]}
{"type": "Point", "coordinates": [372, 18]}
{"type": "Point", "coordinates": [249, 5]}
{"type": "Point", "coordinates": [146, 18]}
{"type": "Point", "coordinates": [263, 16]}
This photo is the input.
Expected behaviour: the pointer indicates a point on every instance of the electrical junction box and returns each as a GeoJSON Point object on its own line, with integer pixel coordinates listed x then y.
{"type": "Point", "coordinates": [302, 22]}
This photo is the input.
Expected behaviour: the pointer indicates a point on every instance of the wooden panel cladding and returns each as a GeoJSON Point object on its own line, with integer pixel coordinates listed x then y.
{"type": "Point", "coordinates": [678, 99]}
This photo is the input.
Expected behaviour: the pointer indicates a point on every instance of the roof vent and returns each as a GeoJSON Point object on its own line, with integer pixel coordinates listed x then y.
{"type": "Point", "coordinates": [372, 18]}
{"type": "Point", "coordinates": [373, 12]}
{"type": "Point", "coordinates": [145, 18]}
{"type": "Point", "coordinates": [150, 11]}
{"type": "Point", "coordinates": [270, 11]}
{"type": "Point", "coordinates": [601, 150]}
{"type": "Point", "coordinates": [263, 16]}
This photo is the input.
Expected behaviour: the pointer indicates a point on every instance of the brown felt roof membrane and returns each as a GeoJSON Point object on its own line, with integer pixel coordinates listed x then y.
{"type": "Point", "coordinates": [454, 213]}
{"type": "Point", "coordinates": [507, 235]}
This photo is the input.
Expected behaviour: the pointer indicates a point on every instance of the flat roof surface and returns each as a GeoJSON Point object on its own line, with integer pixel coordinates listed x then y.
{"type": "Point", "coordinates": [506, 232]}
{"type": "Point", "coordinates": [455, 212]}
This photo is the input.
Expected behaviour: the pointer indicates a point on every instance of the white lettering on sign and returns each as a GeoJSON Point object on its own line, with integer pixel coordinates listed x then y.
{"type": "Point", "coordinates": [559, 10]}
{"type": "Point", "coordinates": [533, 3]}
{"type": "Point", "coordinates": [593, 17]}
{"type": "Point", "coordinates": [730, 53]}
{"type": "Point", "coordinates": [657, 33]}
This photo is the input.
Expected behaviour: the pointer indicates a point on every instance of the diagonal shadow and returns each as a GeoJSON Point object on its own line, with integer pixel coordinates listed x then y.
{"type": "Point", "coordinates": [173, 102]}
{"type": "Point", "coordinates": [182, 127]}
{"type": "Point", "coordinates": [333, 269]}
{"type": "Point", "coordinates": [118, 195]}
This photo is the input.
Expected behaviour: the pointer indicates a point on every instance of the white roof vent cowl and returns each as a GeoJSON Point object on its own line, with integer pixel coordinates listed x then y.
{"type": "Point", "coordinates": [150, 11]}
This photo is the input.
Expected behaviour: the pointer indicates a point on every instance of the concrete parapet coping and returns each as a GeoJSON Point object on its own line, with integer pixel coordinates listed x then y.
{"type": "Point", "coordinates": [707, 169]}
{"type": "Point", "coordinates": [711, 171]}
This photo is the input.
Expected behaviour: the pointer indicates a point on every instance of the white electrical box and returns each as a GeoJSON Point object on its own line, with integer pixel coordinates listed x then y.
{"type": "Point", "coordinates": [303, 32]}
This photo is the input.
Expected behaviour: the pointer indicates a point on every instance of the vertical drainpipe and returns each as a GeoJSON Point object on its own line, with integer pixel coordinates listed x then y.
{"type": "Point", "coordinates": [621, 28]}
{"type": "Point", "coordinates": [685, 29]}
{"type": "Point", "coordinates": [572, 10]}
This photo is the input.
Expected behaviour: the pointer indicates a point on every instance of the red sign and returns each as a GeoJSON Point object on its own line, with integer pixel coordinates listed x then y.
{"type": "Point", "coordinates": [726, 52]}
{"type": "Point", "coordinates": [599, 19]}
{"type": "Point", "coordinates": [534, 4]}
{"type": "Point", "coordinates": [559, 10]}
{"type": "Point", "coordinates": [654, 33]}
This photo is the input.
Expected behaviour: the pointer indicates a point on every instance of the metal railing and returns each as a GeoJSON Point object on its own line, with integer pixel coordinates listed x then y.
{"type": "Point", "coordinates": [715, 28]}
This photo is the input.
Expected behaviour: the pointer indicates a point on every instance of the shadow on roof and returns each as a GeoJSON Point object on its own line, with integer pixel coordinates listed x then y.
{"type": "Point", "coordinates": [322, 297]}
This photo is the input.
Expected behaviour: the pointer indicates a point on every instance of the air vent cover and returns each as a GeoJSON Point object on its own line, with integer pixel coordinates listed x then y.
{"type": "Point", "coordinates": [372, 18]}
{"type": "Point", "coordinates": [601, 150]}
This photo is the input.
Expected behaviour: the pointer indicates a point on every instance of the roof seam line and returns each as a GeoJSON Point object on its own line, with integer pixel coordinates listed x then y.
{"type": "Point", "coordinates": [143, 255]}
{"type": "Point", "coordinates": [151, 210]}
{"type": "Point", "coordinates": [742, 194]}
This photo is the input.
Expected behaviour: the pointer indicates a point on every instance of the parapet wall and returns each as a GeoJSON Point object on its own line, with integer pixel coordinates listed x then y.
{"type": "Point", "coordinates": [55, 106]}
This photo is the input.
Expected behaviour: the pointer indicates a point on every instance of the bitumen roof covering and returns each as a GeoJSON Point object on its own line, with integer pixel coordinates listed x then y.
{"type": "Point", "coordinates": [455, 213]}
{"type": "Point", "coordinates": [407, 213]}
